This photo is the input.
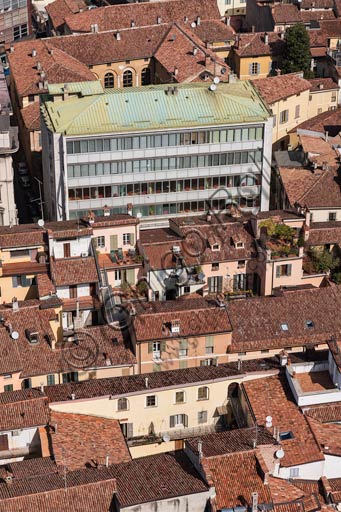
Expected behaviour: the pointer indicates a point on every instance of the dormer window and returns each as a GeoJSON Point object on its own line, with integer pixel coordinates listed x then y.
{"type": "Point", "coordinates": [284, 327]}
{"type": "Point", "coordinates": [239, 245]}
{"type": "Point", "coordinates": [216, 247]}
{"type": "Point", "coordinates": [33, 337]}
{"type": "Point", "coordinates": [175, 326]}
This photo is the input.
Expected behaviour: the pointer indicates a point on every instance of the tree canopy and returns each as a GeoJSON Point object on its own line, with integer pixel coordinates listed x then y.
{"type": "Point", "coordinates": [297, 51]}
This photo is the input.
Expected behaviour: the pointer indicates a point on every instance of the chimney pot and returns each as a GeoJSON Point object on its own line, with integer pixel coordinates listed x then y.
{"type": "Point", "coordinates": [34, 52]}
{"type": "Point", "coordinates": [198, 21]}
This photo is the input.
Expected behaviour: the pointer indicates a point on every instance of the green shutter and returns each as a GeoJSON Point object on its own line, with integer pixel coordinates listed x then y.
{"type": "Point", "coordinates": [129, 430]}
{"type": "Point", "coordinates": [113, 242]}
{"type": "Point", "coordinates": [278, 271]}
{"type": "Point", "coordinates": [130, 276]}
{"type": "Point", "coordinates": [171, 421]}
{"type": "Point", "coordinates": [289, 270]}
{"type": "Point", "coordinates": [163, 346]}
{"type": "Point", "coordinates": [132, 239]}
{"type": "Point", "coordinates": [183, 345]}
{"type": "Point", "coordinates": [185, 418]}
{"type": "Point", "coordinates": [209, 341]}
{"type": "Point", "coordinates": [150, 347]}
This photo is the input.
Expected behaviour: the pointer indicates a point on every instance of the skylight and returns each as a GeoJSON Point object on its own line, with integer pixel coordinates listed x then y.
{"type": "Point", "coordinates": [284, 436]}
{"type": "Point", "coordinates": [309, 324]}
{"type": "Point", "coordinates": [284, 327]}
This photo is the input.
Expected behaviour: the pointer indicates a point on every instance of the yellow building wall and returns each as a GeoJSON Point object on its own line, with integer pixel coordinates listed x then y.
{"type": "Point", "coordinates": [242, 66]}
{"type": "Point", "coordinates": [118, 68]}
{"type": "Point", "coordinates": [280, 130]}
{"type": "Point", "coordinates": [321, 101]}
{"type": "Point", "coordinates": [20, 292]}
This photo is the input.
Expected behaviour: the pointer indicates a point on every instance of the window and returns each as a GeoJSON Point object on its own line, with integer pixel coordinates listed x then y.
{"type": "Point", "coordinates": [126, 239]}
{"type": "Point", "coordinates": [50, 380]}
{"type": "Point", "coordinates": [67, 250]}
{"type": "Point", "coordinates": [283, 270]}
{"type": "Point", "coordinates": [127, 430]}
{"type": "Point", "coordinates": [178, 420]}
{"type": "Point", "coordinates": [202, 417]}
{"type": "Point", "coordinates": [209, 345]}
{"type": "Point", "coordinates": [8, 387]}
{"type": "Point", "coordinates": [151, 401]}
{"type": "Point", "coordinates": [18, 281]}
{"type": "Point", "coordinates": [241, 263]}
{"type": "Point", "coordinates": [127, 78]}
{"type": "Point", "coordinates": [332, 216]}
{"type": "Point", "coordinates": [294, 472]}
{"type": "Point", "coordinates": [309, 324]}
{"type": "Point", "coordinates": [70, 377]}
{"type": "Point", "coordinates": [8, 376]}
{"type": "Point", "coordinates": [254, 68]}
{"type": "Point", "coordinates": [179, 397]}
{"type": "Point", "coordinates": [122, 404]}
{"type": "Point", "coordinates": [203, 393]}
{"type": "Point", "coordinates": [109, 80]}
{"type": "Point", "coordinates": [26, 383]}
{"type": "Point", "coordinates": [297, 111]}
{"type": "Point", "coordinates": [284, 116]}
{"type": "Point", "coordinates": [20, 253]}
{"type": "Point", "coordinates": [215, 284]}
{"type": "Point", "coordinates": [215, 266]}
{"type": "Point", "coordinates": [31, 98]}
{"type": "Point", "coordinates": [101, 241]}
{"type": "Point", "coordinates": [284, 327]}
{"type": "Point", "coordinates": [20, 31]}
{"type": "Point", "coordinates": [333, 98]}
{"type": "Point", "coordinates": [284, 436]}
{"type": "Point", "coordinates": [145, 76]}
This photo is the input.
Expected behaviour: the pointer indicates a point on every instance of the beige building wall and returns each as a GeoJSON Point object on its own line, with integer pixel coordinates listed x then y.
{"type": "Point", "coordinates": [321, 101]}
{"type": "Point", "coordinates": [10, 379]}
{"type": "Point", "coordinates": [232, 7]}
{"type": "Point", "coordinates": [322, 215]}
{"type": "Point", "coordinates": [118, 231]}
{"type": "Point", "coordinates": [118, 69]}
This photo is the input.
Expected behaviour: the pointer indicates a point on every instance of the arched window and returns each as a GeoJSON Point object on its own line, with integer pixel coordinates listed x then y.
{"type": "Point", "coordinates": [122, 404]}
{"type": "Point", "coordinates": [109, 80]}
{"type": "Point", "coordinates": [145, 76]}
{"type": "Point", "coordinates": [127, 78]}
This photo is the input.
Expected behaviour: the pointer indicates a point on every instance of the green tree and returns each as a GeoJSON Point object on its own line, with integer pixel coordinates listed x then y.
{"type": "Point", "coordinates": [297, 51]}
{"type": "Point", "coordinates": [324, 261]}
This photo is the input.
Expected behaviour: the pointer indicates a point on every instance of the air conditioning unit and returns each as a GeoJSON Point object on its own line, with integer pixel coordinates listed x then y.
{"type": "Point", "coordinates": [84, 254]}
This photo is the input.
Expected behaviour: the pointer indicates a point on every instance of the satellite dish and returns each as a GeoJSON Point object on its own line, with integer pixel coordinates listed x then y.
{"type": "Point", "coordinates": [268, 421]}
{"type": "Point", "coordinates": [193, 24]}
{"type": "Point", "coordinates": [15, 335]}
{"type": "Point", "coordinates": [166, 438]}
{"type": "Point", "coordinates": [212, 87]}
{"type": "Point", "coordinates": [223, 71]}
{"type": "Point", "coordinates": [280, 453]}
{"type": "Point", "coordinates": [41, 223]}
{"type": "Point", "coordinates": [216, 79]}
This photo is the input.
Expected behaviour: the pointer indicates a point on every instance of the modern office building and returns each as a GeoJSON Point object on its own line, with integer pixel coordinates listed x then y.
{"type": "Point", "coordinates": [157, 151]}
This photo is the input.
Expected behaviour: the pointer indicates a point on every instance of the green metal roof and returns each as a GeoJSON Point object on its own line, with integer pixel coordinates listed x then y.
{"type": "Point", "coordinates": [151, 108]}
{"type": "Point", "coordinates": [82, 88]}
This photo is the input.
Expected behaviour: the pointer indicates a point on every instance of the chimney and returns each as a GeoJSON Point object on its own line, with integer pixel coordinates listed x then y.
{"type": "Point", "coordinates": [146, 382]}
{"type": "Point", "coordinates": [129, 209]}
{"type": "Point", "coordinates": [42, 388]}
{"type": "Point", "coordinates": [254, 497]}
{"type": "Point", "coordinates": [46, 84]}
{"type": "Point", "coordinates": [91, 217]}
{"type": "Point", "coordinates": [11, 48]}
{"type": "Point", "coordinates": [283, 358]}
{"type": "Point", "coordinates": [73, 396]}
{"type": "Point", "coordinates": [132, 24]}
{"type": "Point", "coordinates": [158, 20]}
{"type": "Point", "coordinates": [228, 20]}
{"type": "Point", "coordinates": [118, 36]}
{"type": "Point", "coordinates": [266, 38]}
{"type": "Point", "coordinates": [200, 449]}
{"type": "Point", "coordinates": [186, 19]}
{"type": "Point", "coordinates": [326, 136]}
{"type": "Point", "coordinates": [207, 60]}
{"type": "Point", "coordinates": [195, 50]}
{"type": "Point", "coordinates": [65, 92]}
{"type": "Point", "coordinates": [253, 28]}
{"type": "Point", "coordinates": [34, 52]}
{"type": "Point", "coordinates": [94, 28]}
{"type": "Point", "coordinates": [38, 65]}
{"type": "Point", "coordinates": [208, 216]}
{"type": "Point", "coordinates": [107, 461]}
{"type": "Point", "coordinates": [15, 304]}
{"type": "Point", "coordinates": [51, 51]}
{"type": "Point", "coordinates": [198, 21]}
{"type": "Point", "coordinates": [176, 71]}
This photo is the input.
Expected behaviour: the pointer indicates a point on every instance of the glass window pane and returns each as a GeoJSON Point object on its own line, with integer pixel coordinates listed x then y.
{"type": "Point", "coordinates": [259, 133]}
{"type": "Point", "coordinates": [237, 135]}
{"type": "Point", "coordinates": [84, 146]}
{"type": "Point", "coordinates": [92, 169]}
{"type": "Point", "coordinates": [223, 136]}
{"type": "Point", "coordinates": [70, 171]}
{"type": "Point", "coordinates": [77, 171]}
{"type": "Point", "coordinates": [84, 170]}
{"type": "Point", "coordinates": [230, 135]}
{"type": "Point", "coordinates": [99, 145]}
{"type": "Point", "coordinates": [92, 146]}
{"type": "Point", "coordinates": [113, 144]}
{"type": "Point", "coordinates": [106, 144]}
{"type": "Point", "coordinates": [69, 147]}
{"type": "Point", "coordinates": [245, 134]}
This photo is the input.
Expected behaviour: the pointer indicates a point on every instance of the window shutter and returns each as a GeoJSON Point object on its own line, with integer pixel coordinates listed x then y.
{"type": "Point", "coordinates": [185, 420]}
{"type": "Point", "coordinates": [113, 242]}
{"type": "Point", "coordinates": [278, 271]}
{"type": "Point", "coordinates": [150, 347]}
{"type": "Point", "coordinates": [132, 239]}
{"type": "Point", "coordinates": [15, 281]}
{"type": "Point", "coordinates": [130, 430]}
{"type": "Point", "coordinates": [163, 346]}
{"type": "Point", "coordinates": [171, 421]}
{"type": "Point", "coordinates": [130, 276]}
{"type": "Point", "coordinates": [289, 270]}
{"type": "Point", "coordinates": [220, 284]}
{"type": "Point", "coordinates": [250, 69]}
{"type": "Point", "coordinates": [209, 341]}
{"type": "Point", "coordinates": [183, 345]}
{"type": "Point", "coordinates": [258, 68]}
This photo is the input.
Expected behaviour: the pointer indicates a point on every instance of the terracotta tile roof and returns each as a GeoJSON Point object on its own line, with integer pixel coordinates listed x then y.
{"type": "Point", "coordinates": [118, 17]}
{"type": "Point", "coordinates": [317, 4]}
{"type": "Point", "coordinates": [272, 397]}
{"type": "Point", "coordinates": [20, 395]}
{"type": "Point", "coordinates": [235, 477]}
{"type": "Point", "coordinates": [25, 414]}
{"type": "Point", "coordinates": [253, 44]}
{"type": "Point", "coordinates": [168, 475]}
{"type": "Point", "coordinates": [324, 233]}
{"type": "Point", "coordinates": [22, 235]}
{"type": "Point", "coordinates": [31, 116]}
{"type": "Point", "coordinates": [276, 88]}
{"type": "Point", "coordinates": [85, 302]}
{"type": "Point", "coordinates": [328, 436]}
{"type": "Point", "coordinates": [230, 441]}
{"type": "Point", "coordinates": [59, 9]}
{"type": "Point", "coordinates": [87, 491]}
{"type": "Point", "coordinates": [59, 67]}
{"type": "Point", "coordinates": [256, 323]}
{"type": "Point", "coordinates": [68, 229]}
{"type": "Point", "coordinates": [24, 267]}
{"type": "Point", "coordinates": [28, 468]}
{"type": "Point", "coordinates": [118, 386]}
{"type": "Point", "coordinates": [335, 485]}
{"type": "Point", "coordinates": [322, 84]}
{"type": "Point", "coordinates": [10, 360]}
{"type": "Point", "coordinates": [119, 219]}
{"type": "Point", "coordinates": [70, 271]}
{"type": "Point", "coordinates": [319, 189]}
{"type": "Point", "coordinates": [320, 150]}
{"type": "Point", "coordinates": [214, 31]}
{"type": "Point", "coordinates": [281, 214]}
{"type": "Point", "coordinates": [196, 317]}
{"type": "Point", "coordinates": [176, 52]}
{"type": "Point", "coordinates": [282, 491]}
{"type": "Point", "coordinates": [80, 440]}
{"type": "Point", "coordinates": [326, 413]}
{"type": "Point", "coordinates": [327, 121]}
{"type": "Point", "coordinates": [45, 285]}
{"type": "Point", "coordinates": [290, 13]}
